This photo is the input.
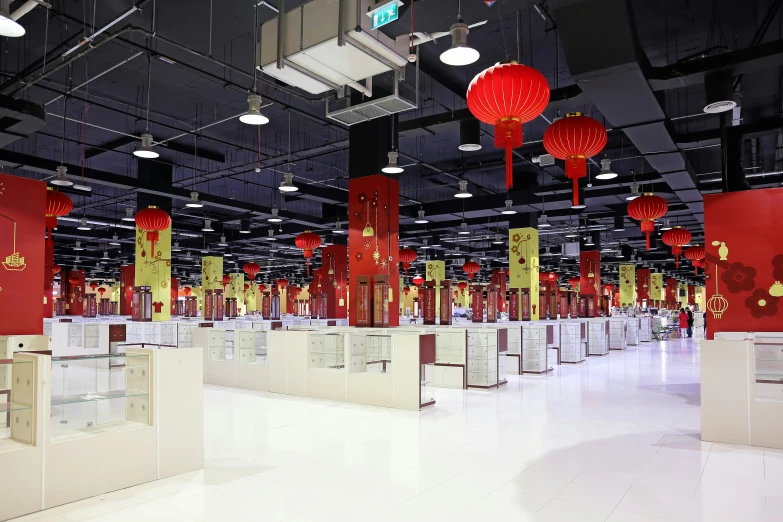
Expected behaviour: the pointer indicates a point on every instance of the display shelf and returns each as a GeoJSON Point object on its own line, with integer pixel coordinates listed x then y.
{"type": "Point", "coordinates": [768, 357]}
{"type": "Point", "coordinates": [645, 329]}
{"type": "Point", "coordinates": [63, 400]}
{"type": "Point", "coordinates": [327, 350]}
{"type": "Point", "coordinates": [482, 358]}
{"type": "Point", "coordinates": [251, 346]}
{"type": "Point", "coordinates": [632, 331]}
{"type": "Point", "coordinates": [534, 348]}
{"type": "Point", "coordinates": [598, 337]}
{"type": "Point", "coordinates": [617, 333]}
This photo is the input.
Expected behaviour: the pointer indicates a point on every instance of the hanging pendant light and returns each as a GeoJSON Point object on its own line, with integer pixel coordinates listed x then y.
{"type": "Point", "coordinates": [463, 190]}
{"type": "Point", "coordinates": [287, 184]}
{"type": "Point", "coordinates": [193, 203]}
{"type": "Point", "coordinates": [463, 229]}
{"type": "Point", "coordinates": [145, 150]}
{"type": "Point", "coordinates": [508, 210]}
{"type": "Point", "coordinates": [606, 170]}
{"type": "Point", "coordinates": [253, 115]}
{"type": "Point", "coordinates": [83, 225]}
{"type": "Point", "coordinates": [338, 229]}
{"type": "Point", "coordinates": [114, 240]}
{"type": "Point", "coordinates": [207, 226]}
{"type": "Point", "coordinates": [275, 218]}
{"type": "Point", "coordinates": [8, 26]}
{"type": "Point", "coordinates": [634, 193]}
{"type": "Point", "coordinates": [61, 180]}
{"type": "Point", "coordinates": [460, 52]}
{"type": "Point", "coordinates": [421, 219]}
{"type": "Point", "coordinates": [543, 221]}
{"type": "Point", "coordinates": [392, 167]}
{"type": "Point", "coordinates": [469, 135]}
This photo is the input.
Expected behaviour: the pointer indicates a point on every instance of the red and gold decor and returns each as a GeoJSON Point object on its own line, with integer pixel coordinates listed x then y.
{"type": "Point", "coordinates": [507, 95]}
{"type": "Point", "coordinates": [251, 269]}
{"type": "Point", "coordinates": [334, 260]}
{"type": "Point", "coordinates": [373, 235]}
{"type": "Point", "coordinates": [307, 241]}
{"type": "Point", "coordinates": [174, 303]}
{"type": "Point", "coordinates": [23, 206]}
{"type": "Point", "coordinates": [94, 286]}
{"type": "Point", "coordinates": [523, 270]}
{"type": "Point", "coordinates": [427, 302]}
{"type": "Point", "coordinates": [646, 209]}
{"type": "Point", "coordinates": [627, 284]}
{"type": "Point", "coordinates": [744, 255]}
{"type": "Point", "coordinates": [696, 254]}
{"type": "Point", "coordinates": [492, 299]}
{"type": "Point", "coordinates": [57, 205]}
{"type": "Point", "coordinates": [671, 294]}
{"type": "Point", "coordinates": [407, 256]}
{"type": "Point", "coordinates": [513, 304]}
{"type": "Point", "coordinates": [643, 286]}
{"type": "Point", "coordinates": [478, 303]}
{"type": "Point", "coordinates": [573, 282]}
{"type": "Point", "coordinates": [363, 302]}
{"type": "Point", "coordinates": [471, 268]}
{"type": "Point", "coordinates": [127, 282]}
{"type": "Point", "coordinates": [282, 283]}
{"type": "Point", "coordinates": [153, 259]}
{"type": "Point", "coordinates": [499, 279]}
{"type": "Point", "coordinates": [152, 220]}
{"type": "Point", "coordinates": [226, 280]}
{"type": "Point", "coordinates": [590, 277]}
{"type": "Point", "coordinates": [574, 139]}
{"type": "Point", "coordinates": [444, 308]}
{"type": "Point", "coordinates": [676, 238]}
{"type": "Point", "coordinates": [462, 285]}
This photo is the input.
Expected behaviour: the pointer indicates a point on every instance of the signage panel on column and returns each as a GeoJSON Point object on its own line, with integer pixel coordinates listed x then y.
{"type": "Point", "coordinates": [513, 304]}
{"type": "Point", "coordinates": [492, 303]}
{"type": "Point", "coordinates": [590, 275]}
{"type": "Point", "coordinates": [427, 299]}
{"type": "Point", "coordinates": [478, 304]}
{"type": "Point", "coordinates": [627, 284]}
{"type": "Point", "coordinates": [526, 310]}
{"type": "Point", "coordinates": [445, 302]}
{"type": "Point", "coordinates": [362, 304]}
{"type": "Point", "coordinates": [524, 268]}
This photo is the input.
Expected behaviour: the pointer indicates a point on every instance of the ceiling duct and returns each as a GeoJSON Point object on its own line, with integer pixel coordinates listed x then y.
{"type": "Point", "coordinates": [19, 119]}
{"type": "Point", "coordinates": [609, 66]}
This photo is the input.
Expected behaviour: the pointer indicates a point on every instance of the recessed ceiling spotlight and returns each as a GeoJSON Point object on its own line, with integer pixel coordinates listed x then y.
{"type": "Point", "coordinates": [61, 180]}
{"type": "Point", "coordinates": [606, 170]}
{"type": "Point", "coordinates": [463, 190]}
{"type": "Point", "coordinates": [459, 53]}
{"type": "Point", "coordinates": [421, 219]}
{"type": "Point", "coordinates": [193, 203]}
{"type": "Point", "coordinates": [145, 150]}
{"type": "Point", "coordinates": [253, 115]}
{"type": "Point", "coordinates": [508, 210]}
{"type": "Point", "coordinates": [287, 185]}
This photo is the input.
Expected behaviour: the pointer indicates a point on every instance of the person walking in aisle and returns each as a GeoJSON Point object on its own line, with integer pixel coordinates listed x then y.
{"type": "Point", "coordinates": [683, 322]}
{"type": "Point", "coordinates": [690, 322]}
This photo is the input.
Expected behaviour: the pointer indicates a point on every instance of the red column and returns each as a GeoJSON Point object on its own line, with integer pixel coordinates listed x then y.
{"type": "Point", "coordinates": [48, 305]}
{"type": "Point", "coordinates": [334, 259]}
{"type": "Point", "coordinates": [174, 295]}
{"type": "Point", "coordinates": [671, 293]}
{"type": "Point", "coordinates": [500, 280]}
{"type": "Point", "coordinates": [691, 295]}
{"type": "Point", "coordinates": [590, 276]}
{"type": "Point", "coordinates": [127, 280]}
{"type": "Point", "coordinates": [74, 294]}
{"type": "Point", "coordinates": [643, 285]}
{"type": "Point", "coordinates": [373, 202]}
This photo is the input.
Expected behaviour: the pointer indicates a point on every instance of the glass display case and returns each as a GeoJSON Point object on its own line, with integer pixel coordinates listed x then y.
{"type": "Point", "coordinates": [99, 393]}
{"type": "Point", "coordinates": [450, 346]}
{"type": "Point", "coordinates": [250, 345]}
{"type": "Point", "coordinates": [427, 393]}
{"type": "Point", "coordinates": [327, 350]}
{"type": "Point", "coordinates": [16, 401]}
{"type": "Point", "coordinates": [371, 353]}
{"type": "Point", "coordinates": [768, 356]}
{"type": "Point", "coordinates": [482, 358]}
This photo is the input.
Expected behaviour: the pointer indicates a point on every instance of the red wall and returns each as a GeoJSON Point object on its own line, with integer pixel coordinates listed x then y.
{"type": "Point", "coordinates": [588, 261]}
{"type": "Point", "coordinates": [174, 295]}
{"type": "Point", "coordinates": [127, 280]}
{"type": "Point", "coordinates": [22, 226]}
{"type": "Point", "coordinates": [48, 275]}
{"type": "Point", "coordinates": [383, 214]}
{"type": "Point", "coordinates": [74, 292]}
{"type": "Point", "coordinates": [335, 257]}
{"type": "Point", "coordinates": [500, 279]}
{"type": "Point", "coordinates": [672, 293]}
{"type": "Point", "coordinates": [643, 284]}
{"type": "Point", "coordinates": [744, 261]}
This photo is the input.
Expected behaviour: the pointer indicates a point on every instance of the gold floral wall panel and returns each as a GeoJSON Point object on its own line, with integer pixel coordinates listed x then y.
{"type": "Point", "coordinates": [436, 271]}
{"type": "Point", "coordinates": [656, 287]}
{"type": "Point", "coordinates": [627, 284]}
{"type": "Point", "coordinates": [153, 269]}
{"type": "Point", "coordinates": [212, 273]}
{"type": "Point", "coordinates": [523, 264]}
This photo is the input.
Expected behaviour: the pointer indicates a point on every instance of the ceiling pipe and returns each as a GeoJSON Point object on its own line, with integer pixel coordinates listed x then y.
{"type": "Point", "coordinates": [26, 8]}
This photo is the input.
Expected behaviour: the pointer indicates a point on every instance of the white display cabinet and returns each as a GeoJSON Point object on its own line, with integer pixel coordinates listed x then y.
{"type": "Point", "coordinates": [11, 344]}
{"type": "Point", "coordinates": [327, 350]}
{"type": "Point", "coordinates": [450, 358]}
{"type": "Point", "coordinates": [514, 354]}
{"type": "Point", "coordinates": [482, 358]}
{"type": "Point", "coordinates": [534, 348]}
{"type": "Point", "coordinates": [185, 331]}
{"type": "Point", "coordinates": [698, 325]}
{"type": "Point", "coordinates": [251, 369]}
{"type": "Point", "coordinates": [219, 367]}
{"type": "Point", "coordinates": [632, 331]}
{"type": "Point", "coordinates": [47, 326]}
{"type": "Point", "coordinates": [77, 339]}
{"type": "Point", "coordinates": [598, 336]}
{"type": "Point", "coordinates": [250, 345]}
{"type": "Point", "coordinates": [571, 346]}
{"type": "Point", "coordinates": [617, 333]}
{"type": "Point", "coordinates": [742, 389]}
{"type": "Point", "coordinates": [645, 329]}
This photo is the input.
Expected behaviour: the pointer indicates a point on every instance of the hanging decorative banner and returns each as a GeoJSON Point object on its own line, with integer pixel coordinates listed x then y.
{"type": "Point", "coordinates": [436, 271]}
{"type": "Point", "coordinates": [153, 264]}
{"type": "Point", "coordinates": [627, 284]}
{"type": "Point", "coordinates": [523, 268]}
{"type": "Point", "coordinates": [643, 283]}
{"type": "Point", "coordinates": [656, 287]}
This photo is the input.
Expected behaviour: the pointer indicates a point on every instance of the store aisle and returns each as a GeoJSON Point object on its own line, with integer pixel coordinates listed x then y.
{"type": "Point", "coordinates": [615, 439]}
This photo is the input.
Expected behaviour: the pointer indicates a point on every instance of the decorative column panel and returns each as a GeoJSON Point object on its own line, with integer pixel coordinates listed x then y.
{"type": "Point", "coordinates": [174, 295]}
{"type": "Point", "coordinates": [682, 294]}
{"type": "Point", "coordinates": [237, 285]}
{"type": "Point", "coordinates": [671, 292]}
{"type": "Point", "coordinates": [500, 280]}
{"type": "Point", "coordinates": [699, 297]}
{"type": "Point", "coordinates": [48, 277]}
{"type": "Point", "coordinates": [373, 206]}
{"type": "Point", "coordinates": [335, 260]}
{"type": "Point", "coordinates": [643, 285]}
{"type": "Point", "coordinates": [127, 281]}
{"type": "Point", "coordinates": [590, 277]}
{"type": "Point", "coordinates": [691, 295]}
{"type": "Point", "coordinates": [656, 288]}
{"type": "Point", "coordinates": [153, 269]}
{"type": "Point", "coordinates": [22, 250]}
{"type": "Point", "coordinates": [212, 273]}
{"type": "Point", "coordinates": [463, 298]}
{"type": "Point", "coordinates": [616, 298]}
{"type": "Point", "coordinates": [75, 291]}
{"type": "Point", "coordinates": [436, 271]}
{"type": "Point", "coordinates": [250, 299]}
{"type": "Point", "coordinates": [627, 283]}
{"type": "Point", "coordinates": [523, 266]}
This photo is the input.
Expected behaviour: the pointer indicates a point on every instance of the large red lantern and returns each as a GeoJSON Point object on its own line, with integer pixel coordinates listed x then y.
{"type": "Point", "coordinates": [574, 139]}
{"type": "Point", "coordinates": [462, 285]}
{"type": "Point", "coordinates": [406, 290]}
{"type": "Point", "coordinates": [251, 269]}
{"type": "Point", "coordinates": [647, 208]}
{"type": "Point", "coordinates": [152, 220]}
{"type": "Point", "coordinates": [676, 238]}
{"type": "Point", "coordinates": [407, 256]}
{"type": "Point", "coordinates": [696, 254]}
{"type": "Point", "coordinates": [57, 205]}
{"type": "Point", "coordinates": [418, 280]}
{"type": "Point", "coordinates": [282, 283]}
{"type": "Point", "coordinates": [471, 268]}
{"type": "Point", "coordinates": [226, 280]}
{"type": "Point", "coordinates": [507, 95]}
{"type": "Point", "coordinates": [308, 241]}
{"type": "Point", "coordinates": [261, 288]}
{"type": "Point", "coordinates": [74, 279]}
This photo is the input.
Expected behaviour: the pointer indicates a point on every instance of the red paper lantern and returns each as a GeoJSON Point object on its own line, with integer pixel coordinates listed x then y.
{"type": "Point", "coordinates": [101, 291]}
{"type": "Point", "coordinates": [74, 279]}
{"type": "Point", "coordinates": [56, 269]}
{"type": "Point", "coordinates": [608, 287]}
{"type": "Point", "coordinates": [57, 205]}
{"type": "Point", "coordinates": [187, 290]}
{"type": "Point", "coordinates": [418, 280]}
{"type": "Point", "coordinates": [406, 290]}
{"type": "Point", "coordinates": [93, 286]}
{"type": "Point", "coordinates": [462, 285]}
{"type": "Point", "coordinates": [152, 220]}
{"type": "Point", "coordinates": [261, 288]}
{"type": "Point", "coordinates": [696, 254]}
{"type": "Point", "coordinates": [456, 293]}
{"type": "Point", "coordinates": [647, 208]}
{"type": "Point", "coordinates": [676, 238]}
{"type": "Point", "coordinates": [574, 139]}
{"type": "Point", "coordinates": [507, 95]}
{"type": "Point", "coordinates": [247, 287]}
{"type": "Point", "coordinates": [226, 280]}
{"type": "Point", "coordinates": [407, 256]}
{"type": "Point", "coordinates": [251, 269]}
{"type": "Point", "coordinates": [471, 268]}
{"type": "Point", "coordinates": [574, 281]}
{"type": "Point", "coordinates": [282, 283]}
{"type": "Point", "coordinates": [308, 241]}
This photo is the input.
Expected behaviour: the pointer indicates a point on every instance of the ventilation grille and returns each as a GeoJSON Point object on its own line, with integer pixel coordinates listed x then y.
{"type": "Point", "coordinates": [370, 110]}
{"type": "Point", "coordinates": [720, 106]}
{"type": "Point", "coordinates": [546, 160]}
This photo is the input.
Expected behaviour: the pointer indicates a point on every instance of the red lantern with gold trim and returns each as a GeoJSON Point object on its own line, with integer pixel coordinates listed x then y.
{"type": "Point", "coordinates": [676, 238]}
{"type": "Point", "coordinates": [261, 288]}
{"type": "Point", "coordinates": [282, 283]}
{"type": "Point", "coordinates": [247, 287]}
{"type": "Point", "coordinates": [418, 280]}
{"type": "Point", "coordinates": [471, 268]}
{"type": "Point", "coordinates": [696, 254]}
{"type": "Point", "coordinates": [101, 291]}
{"type": "Point", "coordinates": [574, 139]}
{"type": "Point", "coordinates": [152, 220]}
{"type": "Point", "coordinates": [308, 241]}
{"type": "Point", "coordinates": [507, 95]}
{"type": "Point", "coordinates": [56, 269]}
{"type": "Point", "coordinates": [57, 205]}
{"type": "Point", "coordinates": [251, 269]}
{"type": "Point", "coordinates": [406, 290]}
{"type": "Point", "coordinates": [574, 282]}
{"type": "Point", "coordinates": [226, 280]}
{"type": "Point", "coordinates": [187, 291]}
{"type": "Point", "coordinates": [646, 209]}
{"type": "Point", "coordinates": [462, 285]}
{"type": "Point", "coordinates": [407, 256]}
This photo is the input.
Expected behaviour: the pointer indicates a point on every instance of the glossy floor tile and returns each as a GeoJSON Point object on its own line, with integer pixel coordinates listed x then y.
{"type": "Point", "coordinates": [615, 439]}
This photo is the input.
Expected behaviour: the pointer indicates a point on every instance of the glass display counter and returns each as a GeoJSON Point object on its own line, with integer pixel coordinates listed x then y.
{"type": "Point", "coordinates": [16, 401]}
{"type": "Point", "coordinates": [327, 350]}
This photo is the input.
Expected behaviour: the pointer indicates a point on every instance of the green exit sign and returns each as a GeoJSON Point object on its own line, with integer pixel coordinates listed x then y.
{"type": "Point", "coordinates": [384, 13]}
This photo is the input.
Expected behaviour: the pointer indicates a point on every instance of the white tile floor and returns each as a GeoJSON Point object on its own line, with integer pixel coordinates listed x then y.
{"type": "Point", "coordinates": [615, 439]}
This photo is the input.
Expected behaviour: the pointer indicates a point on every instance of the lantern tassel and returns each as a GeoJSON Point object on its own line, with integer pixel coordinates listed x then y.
{"type": "Point", "coordinates": [648, 241]}
{"type": "Point", "coordinates": [677, 260]}
{"type": "Point", "coordinates": [576, 192]}
{"type": "Point", "coordinates": [509, 167]}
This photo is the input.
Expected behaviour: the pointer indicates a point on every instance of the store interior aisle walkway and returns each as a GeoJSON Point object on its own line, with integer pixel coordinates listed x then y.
{"type": "Point", "coordinates": [615, 439]}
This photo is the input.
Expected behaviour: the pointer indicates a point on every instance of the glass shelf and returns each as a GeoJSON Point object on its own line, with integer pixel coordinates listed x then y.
{"type": "Point", "coordinates": [96, 396]}
{"type": "Point", "coordinates": [7, 407]}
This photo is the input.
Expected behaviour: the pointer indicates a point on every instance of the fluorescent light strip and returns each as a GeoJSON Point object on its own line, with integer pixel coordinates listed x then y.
{"type": "Point", "coordinates": [102, 30]}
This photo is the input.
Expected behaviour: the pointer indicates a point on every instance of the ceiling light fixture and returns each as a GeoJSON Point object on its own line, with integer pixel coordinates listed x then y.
{"type": "Point", "coordinates": [421, 219]}
{"type": "Point", "coordinates": [193, 203]}
{"type": "Point", "coordinates": [498, 240]}
{"type": "Point", "coordinates": [508, 210]}
{"type": "Point", "coordinates": [619, 224]}
{"type": "Point", "coordinates": [666, 225]}
{"type": "Point", "coordinates": [114, 241]}
{"type": "Point", "coordinates": [244, 226]}
{"type": "Point", "coordinates": [606, 170]}
{"type": "Point", "coordinates": [78, 246]}
{"type": "Point", "coordinates": [634, 193]}
{"type": "Point", "coordinates": [83, 225]}
{"type": "Point", "coordinates": [271, 235]}
{"type": "Point", "coordinates": [128, 215]}
{"type": "Point", "coordinates": [463, 190]}
{"type": "Point", "coordinates": [287, 184]}
{"type": "Point", "coordinates": [145, 150]}
{"type": "Point", "coordinates": [253, 115]}
{"type": "Point", "coordinates": [571, 233]}
{"type": "Point", "coordinates": [338, 228]}
{"type": "Point", "coordinates": [543, 221]}
{"type": "Point", "coordinates": [469, 135]}
{"type": "Point", "coordinates": [589, 241]}
{"type": "Point", "coordinates": [174, 247]}
{"type": "Point", "coordinates": [459, 53]}
{"type": "Point", "coordinates": [274, 218]}
{"type": "Point", "coordinates": [393, 167]}
{"type": "Point", "coordinates": [222, 241]}
{"type": "Point", "coordinates": [61, 180]}
{"type": "Point", "coordinates": [463, 229]}
{"type": "Point", "coordinates": [207, 226]}
{"type": "Point", "coordinates": [8, 26]}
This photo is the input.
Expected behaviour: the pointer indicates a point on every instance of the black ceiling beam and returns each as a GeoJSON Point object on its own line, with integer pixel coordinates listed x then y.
{"type": "Point", "coordinates": [762, 127]}
{"type": "Point", "coordinates": [109, 146]}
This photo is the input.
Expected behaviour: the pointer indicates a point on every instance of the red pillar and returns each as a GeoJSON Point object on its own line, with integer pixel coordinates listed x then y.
{"type": "Point", "coordinates": [373, 201]}
{"type": "Point", "coordinates": [127, 280]}
{"type": "Point", "coordinates": [48, 304]}
{"type": "Point", "coordinates": [74, 292]}
{"type": "Point", "coordinates": [500, 280]}
{"type": "Point", "coordinates": [590, 277]}
{"type": "Point", "coordinates": [334, 259]}
{"type": "Point", "coordinates": [174, 295]}
{"type": "Point", "coordinates": [671, 293]}
{"type": "Point", "coordinates": [643, 285]}
{"type": "Point", "coordinates": [691, 295]}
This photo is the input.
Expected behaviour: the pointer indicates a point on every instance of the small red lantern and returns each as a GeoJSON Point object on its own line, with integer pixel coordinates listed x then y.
{"type": "Point", "coordinates": [471, 268]}
{"type": "Point", "coordinates": [407, 256]}
{"type": "Point", "coordinates": [462, 285]}
{"type": "Point", "coordinates": [251, 269]}
{"type": "Point", "coordinates": [93, 286]}
{"type": "Point", "coordinates": [418, 280]}
{"type": "Point", "coordinates": [282, 283]}
{"type": "Point", "coordinates": [456, 293]}
{"type": "Point", "coordinates": [696, 254]}
{"type": "Point", "coordinates": [261, 288]}
{"type": "Point", "coordinates": [74, 279]}
{"type": "Point", "coordinates": [308, 241]}
{"type": "Point", "coordinates": [247, 287]}
{"type": "Point", "coordinates": [676, 238]}
{"type": "Point", "coordinates": [56, 269]}
{"type": "Point", "coordinates": [57, 205]}
{"type": "Point", "coordinates": [406, 290]}
{"type": "Point", "coordinates": [152, 220]}
{"type": "Point", "coordinates": [101, 291]}
{"type": "Point", "coordinates": [574, 139]}
{"type": "Point", "coordinates": [187, 290]}
{"type": "Point", "coordinates": [574, 282]}
{"type": "Point", "coordinates": [608, 288]}
{"type": "Point", "coordinates": [226, 280]}
{"type": "Point", "coordinates": [507, 95]}
{"type": "Point", "coordinates": [647, 208]}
